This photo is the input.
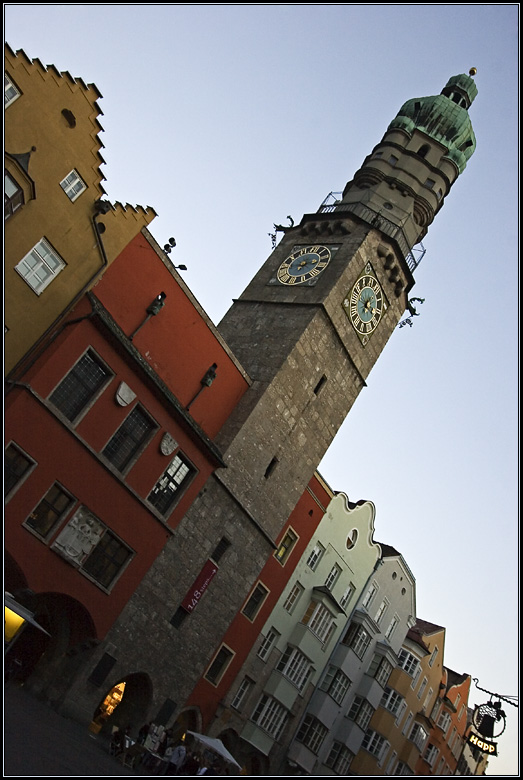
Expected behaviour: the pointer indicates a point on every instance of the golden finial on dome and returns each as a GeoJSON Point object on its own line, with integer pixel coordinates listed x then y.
{"type": "Point", "coordinates": [473, 71]}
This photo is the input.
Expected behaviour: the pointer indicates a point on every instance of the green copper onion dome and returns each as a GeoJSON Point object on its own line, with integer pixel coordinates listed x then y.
{"type": "Point", "coordinates": [444, 118]}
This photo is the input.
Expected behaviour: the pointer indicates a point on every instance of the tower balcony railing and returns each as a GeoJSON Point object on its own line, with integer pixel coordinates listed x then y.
{"type": "Point", "coordinates": [413, 257]}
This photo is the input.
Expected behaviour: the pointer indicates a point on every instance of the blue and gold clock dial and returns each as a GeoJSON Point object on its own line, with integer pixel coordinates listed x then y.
{"type": "Point", "coordinates": [304, 265]}
{"type": "Point", "coordinates": [365, 304]}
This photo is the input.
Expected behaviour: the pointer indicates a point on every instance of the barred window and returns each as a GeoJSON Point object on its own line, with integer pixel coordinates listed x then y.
{"type": "Point", "coordinates": [130, 438]}
{"type": "Point", "coordinates": [312, 733]}
{"type": "Point", "coordinates": [80, 386]}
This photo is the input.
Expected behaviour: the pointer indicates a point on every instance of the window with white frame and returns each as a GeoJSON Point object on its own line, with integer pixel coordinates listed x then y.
{"type": "Point", "coordinates": [89, 545]}
{"type": "Point", "coordinates": [13, 196]}
{"type": "Point", "coordinates": [408, 662]}
{"type": "Point", "coordinates": [11, 92]}
{"type": "Point", "coordinates": [373, 589]}
{"type": "Point", "coordinates": [130, 439]}
{"type": "Point", "coordinates": [403, 769]}
{"type": "Point", "coordinates": [381, 611]}
{"type": "Point", "coordinates": [335, 683]}
{"type": "Point", "coordinates": [295, 666]}
{"type": "Point", "coordinates": [293, 598]}
{"type": "Point", "coordinates": [391, 763]}
{"type": "Point", "coordinates": [73, 185]}
{"type": "Point", "coordinates": [418, 735]}
{"type": "Point", "coordinates": [431, 754]}
{"type": "Point", "coordinates": [391, 700]}
{"type": "Point", "coordinates": [241, 694]}
{"type": "Point", "coordinates": [358, 639]}
{"type": "Point", "coordinates": [375, 744]}
{"type": "Point", "coordinates": [333, 576]}
{"type": "Point", "coordinates": [312, 733]}
{"type": "Point", "coordinates": [361, 711]}
{"type": "Point", "coordinates": [48, 513]}
{"type": "Point", "coordinates": [428, 698]}
{"type": "Point", "coordinates": [415, 678]}
{"type": "Point", "coordinates": [219, 665]}
{"type": "Point", "coordinates": [380, 668]}
{"type": "Point", "coordinates": [461, 711]}
{"type": "Point", "coordinates": [270, 716]}
{"type": "Point", "coordinates": [433, 656]}
{"type": "Point", "coordinates": [285, 546]}
{"type": "Point", "coordinates": [444, 722]}
{"type": "Point", "coordinates": [406, 725]}
{"type": "Point", "coordinates": [255, 601]}
{"type": "Point", "coordinates": [339, 758]}
{"type": "Point", "coordinates": [320, 621]}
{"type": "Point", "coordinates": [40, 266]}
{"type": "Point", "coordinates": [422, 687]}
{"type": "Point", "coordinates": [436, 710]}
{"type": "Point", "coordinates": [392, 627]}
{"type": "Point", "coordinates": [81, 386]}
{"type": "Point", "coordinates": [268, 643]}
{"type": "Point", "coordinates": [451, 739]}
{"type": "Point", "coordinates": [315, 556]}
{"type": "Point", "coordinates": [348, 594]}
{"type": "Point", "coordinates": [171, 484]}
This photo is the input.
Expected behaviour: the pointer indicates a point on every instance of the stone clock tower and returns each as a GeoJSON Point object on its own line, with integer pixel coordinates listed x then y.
{"type": "Point", "coordinates": [308, 329]}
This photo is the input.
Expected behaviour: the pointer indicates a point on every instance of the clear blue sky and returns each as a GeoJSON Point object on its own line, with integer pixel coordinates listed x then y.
{"type": "Point", "coordinates": [228, 118]}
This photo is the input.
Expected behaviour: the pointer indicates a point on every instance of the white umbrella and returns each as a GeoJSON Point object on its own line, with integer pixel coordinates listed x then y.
{"type": "Point", "coordinates": [216, 745]}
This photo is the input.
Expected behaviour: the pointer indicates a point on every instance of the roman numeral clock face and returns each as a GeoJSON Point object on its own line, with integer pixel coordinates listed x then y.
{"type": "Point", "coordinates": [304, 265]}
{"type": "Point", "coordinates": [365, 304]}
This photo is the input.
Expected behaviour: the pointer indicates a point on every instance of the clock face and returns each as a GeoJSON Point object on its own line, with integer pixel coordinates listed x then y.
{"type": "Point", "coordinates": [305, 264]}
{"type": "Point", "coordinates": [365, 305]}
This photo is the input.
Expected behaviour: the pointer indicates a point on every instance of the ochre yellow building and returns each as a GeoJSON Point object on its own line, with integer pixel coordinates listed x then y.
{"type": "Point", "coordinates": [58, 241]}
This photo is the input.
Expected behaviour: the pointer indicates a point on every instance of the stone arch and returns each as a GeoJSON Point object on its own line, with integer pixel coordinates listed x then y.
{"type": "Point", "coordinates": [132, 710]}
{"type": "Point", "coordinates": [254, 762]}
{"type": "Point", "coordinates": [189, 719]}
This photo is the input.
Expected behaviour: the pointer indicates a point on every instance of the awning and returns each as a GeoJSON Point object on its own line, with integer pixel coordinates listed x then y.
{"type": "Point", "coordinates": [215, 745]}
{"type": "Point", "coordinates": [22, 612]}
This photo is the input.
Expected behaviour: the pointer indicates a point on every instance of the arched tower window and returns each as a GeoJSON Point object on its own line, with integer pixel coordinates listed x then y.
{"type": "Point", "coordinates": [423, 150]}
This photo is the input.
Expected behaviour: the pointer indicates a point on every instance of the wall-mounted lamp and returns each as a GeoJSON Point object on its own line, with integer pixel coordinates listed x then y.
{"type": "Point", "coordinates": [152, 310]}
{"type": "Point", "coordinates": [168, 248]}
{"type": "Point", "coordinates": [206, 381]}
{"type": "Point", "coordinates": [180, 267]}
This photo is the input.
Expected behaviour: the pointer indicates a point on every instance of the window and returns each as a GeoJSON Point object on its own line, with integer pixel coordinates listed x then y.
{"type": "Point", "coordinates": [270, 716]}
{"type": "Point", "coordinates": [381, 611]}
{"type": "Point", "coordinates": [219, 665]}
{"type": "Point", "coordinates": [81, 386]}
{"type": "Point", "coordinates": [179, 617]}
{"type": "Point", "coordinates": [380, 669]}
{"type": "Point", "coordinates": [13, 195]}
{"type": "Point", "coordinates": [333, 577]}
{"type": "Point", "coordinates": [295, 666]}
{"type": "Point", "coordinates": [393, 159]}
{"type": "Point", "coordinates": [286, 545]}
{"type": "Point", "coordinates": [444, 722]}
{"type": "Point", "coordinates": [422, 688]}
{"type": "Point", "coordinates": [73, 185]}
{"type": "Point", "coordinates": [88, 544]}
{"type": "Point", "coordinates": [349, 592]}
{"type": "Point", "coordinates": [403, 769]}
{"type": "Point", "coordinates": [51, 509]}
{"type": "Point", "coordinates": [408, 662]}
{"type": "Point", "coordinates": [170, 486]}
{"type": "Point", "coordinates": [415, 677]}
{"type": "Point", "coordinates": [433, 656]}
{"type": "Point", "coordinates": [311, 733]}
{"type": "Point", "coordinates": [429, 183]}
{"type": "Point", "coordinates": [369, 596]}
{"type": "Point", "coordinates": [358, 639]}
{"type": "Point", "coordinates": [130, 438]}
{"type": "Point", "coordinates": [374, 743]}
{"type": "Point", "coordinates": [18, 465]}
{"type": "Point", "coordinates": [10, 91]}
{"type": "Point", "coordinates": [315, 555]}
{"type": "Point", "coordinates": [428, 697]}
{"type": "Point", "coordinates": [392, 627]}
{"type": "Point", "coordinates": [241, 693]}
{"type": "Point", "coordinates": [268, 643]}
{"type": "Point", "coordinates": [418, 735]}
{"type": "Point", "coordinates": [361, 712]}
{"type": "Point", "coordinates": [407, 723]}
{"type": "Point", "coordinates": [462, 710]}
{"type": "Point", "coordinates": [220, 550]}
{"type": "Point", "coordinates": [339, 758]}
{"type": "Point", "coordinates": [255, 601]}
{"type": "Point", "coordinates": [336, 684]}
{"type": "Point", "coordinates": [392, 701]}
{"type": "Point", "coordinates": [292, 598]}
{"type": "Point", "coordinates": [40, 266]}
{"type": "Point", "coordinates": [320, 621]}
